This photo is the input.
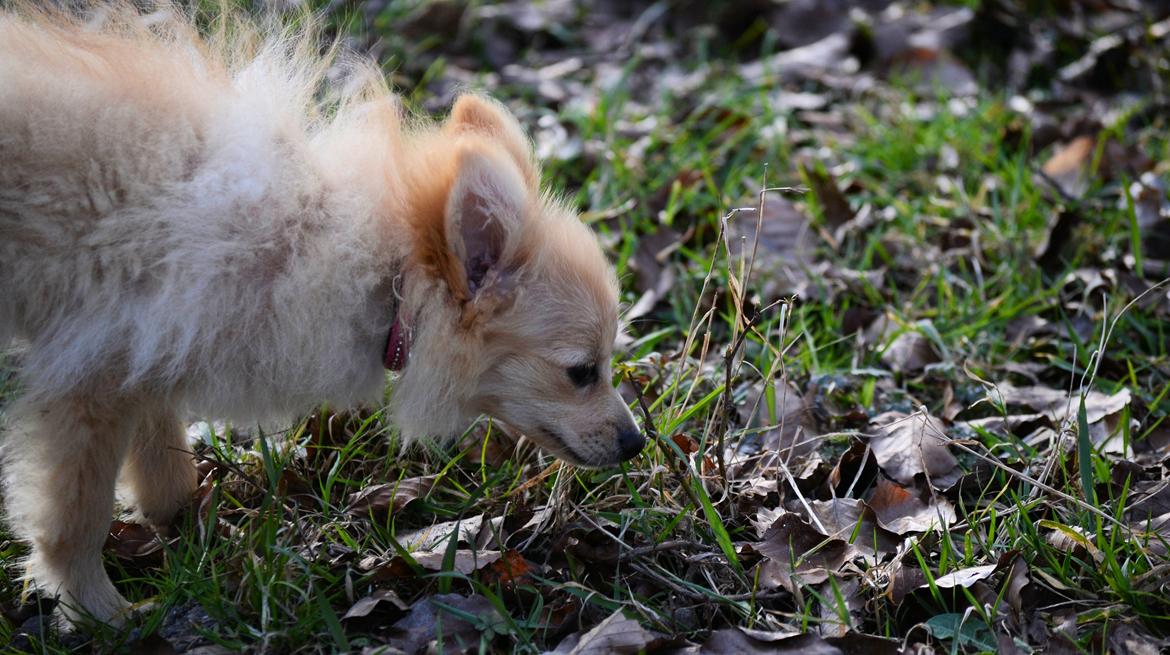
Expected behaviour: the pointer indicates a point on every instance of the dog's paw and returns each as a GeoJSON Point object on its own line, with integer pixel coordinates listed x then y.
{"type": "Point", "coordinates": [100, 604]}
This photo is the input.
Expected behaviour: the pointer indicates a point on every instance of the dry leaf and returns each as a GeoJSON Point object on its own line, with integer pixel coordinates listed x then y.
{"type": "Point", "coordinates": [389, 497]}
{"type": "Point", "coordinates": [834, 207]}
{"type": "Point", "coordinates": [363, 607]}
{"type": "Point", "coordinates": [908, 444]}
{"type": "Point", "coordinates": [900, 510]}
{"type": "Point", "coordinates": [784, 248]}
{"type": "Point", "coordinates": [1069, 166]}
{"type": "Point", "coordinates": [616, 634]}
{"type": "Point", "coordinates": [419, 630]}
{"type": "Point", "coordinates": [736, 641]}
{"type": "Point", "coordinates": [437, 535]}
{"type": "Point", "coordinates": [134, 543]}
{"type": "Point", "coordinates": [803, 555]}
{"type": "Point", "coordinates": [510, 569]}
{"type": "Point", "coordinates": [466, 561]}
{"type": "Point", "coordinates": [855, 522]}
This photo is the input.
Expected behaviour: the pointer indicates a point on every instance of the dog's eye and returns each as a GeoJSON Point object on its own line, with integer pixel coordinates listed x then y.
{"type": "Point", "coordinates": [582, 375]}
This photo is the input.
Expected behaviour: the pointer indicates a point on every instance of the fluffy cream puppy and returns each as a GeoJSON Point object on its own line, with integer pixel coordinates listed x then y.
{"type": "Point", "coordinates": [203, 225]}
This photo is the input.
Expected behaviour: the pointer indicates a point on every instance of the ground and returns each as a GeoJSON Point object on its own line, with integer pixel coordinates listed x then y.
{"type": "Point", "coordinates": [894, 276]}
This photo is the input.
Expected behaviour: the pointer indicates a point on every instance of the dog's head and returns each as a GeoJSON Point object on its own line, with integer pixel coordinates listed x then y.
{"type": "Point", "coordinates": [523, 310]}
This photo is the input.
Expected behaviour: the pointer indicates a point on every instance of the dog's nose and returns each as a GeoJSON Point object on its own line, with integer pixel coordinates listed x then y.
{"type": "Point", "coordinates": [630, 442]}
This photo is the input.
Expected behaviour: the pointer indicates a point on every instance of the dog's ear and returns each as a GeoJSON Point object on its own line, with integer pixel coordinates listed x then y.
{"type": "Point", "coordinates": [486, 117]}
{"type": "Point", "coordinates": [484, 217]}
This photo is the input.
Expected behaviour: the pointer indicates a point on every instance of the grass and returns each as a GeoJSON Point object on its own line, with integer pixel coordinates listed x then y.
{"type": "Point", "coordinates": [271, 558]}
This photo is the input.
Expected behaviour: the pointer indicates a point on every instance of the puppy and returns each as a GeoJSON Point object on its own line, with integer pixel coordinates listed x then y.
{"type": "Point", "coordinates": [186, 227]}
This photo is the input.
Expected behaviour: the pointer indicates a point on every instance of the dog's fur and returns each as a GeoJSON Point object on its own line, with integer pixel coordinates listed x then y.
{"type": "Point", "coordinates": [186, 227]}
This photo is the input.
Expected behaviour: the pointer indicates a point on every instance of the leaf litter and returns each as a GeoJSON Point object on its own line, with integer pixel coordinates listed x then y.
{"type": "Point", "coordinates": [853, 500]}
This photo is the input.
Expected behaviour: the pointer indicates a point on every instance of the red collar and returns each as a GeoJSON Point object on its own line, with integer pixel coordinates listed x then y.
{"type": "Point", "coordinates": [397, 346]}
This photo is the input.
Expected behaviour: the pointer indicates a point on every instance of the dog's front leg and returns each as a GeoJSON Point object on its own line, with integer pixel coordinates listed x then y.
{"type": "Point", "coordinates": [61, 461]}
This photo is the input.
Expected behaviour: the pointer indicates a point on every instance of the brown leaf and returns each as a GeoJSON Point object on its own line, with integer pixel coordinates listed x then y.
{"type": "Point", "coordinates": [135, 543]}
{"type": "Point", "coordinates": [1153, 218]}
{"type": "Point", "coordinates": [931, 69]}
{"type": "Point", "coordinates": [854, 470]}
{"type": "Point", "coordinates": [1017, 579]}
{"type": "Point", "coordinates": [824, 56]}
{"type": "Point", "coordinates": [901, 511]}
{"type": "Point", "coordinates": [801, 22]}
{"type": "Point", "coordinates": [783, 249]}
{"type": "Point", "coordinates": [436, 536]}
{"type": "Point", "coordinates": [685, 443]}
{"type": "Point", "coordinates": [803, 555]}
{"type": "Point", "coordinates": [653, 276]}
{"type": "Point", "coordinates": [909, 350]}
{"type": "Point", "coordinates": [1102, 410]}
{"type": "Point", "coordinates": [1069, 166]}
{"type": "Point", "coordinates": [786, 428]}
{"type": "Point", "coordinates": [363, 607]}
{"type": "Point", "coordinates": [835, 208]}
{"type": "Point", "coordinates": [389, 497]}
{"type": "Point", "coordinates": [735, 641]}
{"type": "Point", "coordinates": [832, 623]}
{"type": "Point", "coordinates": [466, 561]}
{"type": "Point", "coordinates": [854, 522]}
{"type": "Point", "coordinates": [616, 634]}
{"type": "Point", "coordinates": [908, 444]}
{"type": "Point", "coordinates": [509, 570]}
{"type": "Point", "coordinates": [419, 630]}
{"type": "Point", "coordinates": [1131, 638]}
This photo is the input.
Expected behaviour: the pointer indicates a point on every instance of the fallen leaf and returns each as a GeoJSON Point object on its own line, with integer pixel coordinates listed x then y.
{"type": "Point", "coordinates": [653, 275]}
{"type": "Point", "coordinates": [907, 349]}
{"type": "Point", "coordinates": [804, 555]}
{"type": "Point", "coordinates": [1069, 166]}
{"type": "Point", "coordinates": [900, 510]}
{"type": "Point", "coordinates": [931, 69]}
{"type": "Point", "coordinates": [785, 428]}
{"type": "Point", "coordinates": [736, 641]}
{"type": "Point", "coordinates": [186, 626]}
{"type": "Point", "coordinates": [466, 561]}
{"type": "Point", "coordinates": [835, 208]}
{"type": "Point", "coordinates": [854, 522]}
{"type": "Point", "coordinates": [1102, 410]}
{"type": "Point", "coordinates": [842, 609]}
{"type": "Point", "coordinates": [436, 536]}
{"type": "Point", "coordinates": [510, 569]}
{"type": "Point", "coordinates": [801, 22]}
{"type": "Point", "coordinates": [783, 247]}
{"type": "Point", "coordinates": [389, 497]}
{"type": "Point", "coordinates": [431, 617]}
{"type": "Point", "coordinates": [616, 634]}
{"type": "Point", "coordinates": [136, 543]}
{"type": "Point", "coordinates": [1130, 638]}
{"type": "Point", "coordinates": [908, 444]}
{"type": "Point", "coordinates": [964, 577]}
{"type": "Point", "coordinates": [363, 607]}
{"type": "Point", "coordinates": [828, 55]}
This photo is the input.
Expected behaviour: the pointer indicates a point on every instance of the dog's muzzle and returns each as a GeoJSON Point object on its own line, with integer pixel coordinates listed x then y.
{"type": "Point", "coordinates": [630, 443]}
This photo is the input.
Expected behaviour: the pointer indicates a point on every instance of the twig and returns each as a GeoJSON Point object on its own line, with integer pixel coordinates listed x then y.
{"type": "Point", "coordinates": [652, 433]}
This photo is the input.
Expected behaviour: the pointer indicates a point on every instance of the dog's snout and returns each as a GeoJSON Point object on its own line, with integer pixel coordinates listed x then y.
{"type": "Point", "coordinates": [630, 442]}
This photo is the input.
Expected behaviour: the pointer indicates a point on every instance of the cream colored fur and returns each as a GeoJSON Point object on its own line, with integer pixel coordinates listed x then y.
{"type": "Point", "coordinates": [186, 229]}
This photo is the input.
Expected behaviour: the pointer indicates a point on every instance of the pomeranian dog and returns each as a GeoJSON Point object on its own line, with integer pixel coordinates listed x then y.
{"type": "Point", "coordinates": [225, 222]}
